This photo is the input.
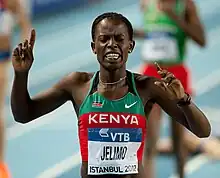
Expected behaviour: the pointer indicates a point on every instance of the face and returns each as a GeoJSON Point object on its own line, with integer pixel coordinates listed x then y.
{"type": "Point", "coordinates": [112, 44]}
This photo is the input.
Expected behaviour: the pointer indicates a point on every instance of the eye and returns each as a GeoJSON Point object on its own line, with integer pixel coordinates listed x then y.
{"type": "Point", "coordinates": [119, 38]}
{"type": "Point", "coordinates": [103, 38]}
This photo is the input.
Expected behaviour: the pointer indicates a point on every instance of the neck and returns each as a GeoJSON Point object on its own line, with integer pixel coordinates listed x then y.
{"type": "Point", "coordinates": [112, 76]}
{"type": "Point", "coordinates": [112, 80]}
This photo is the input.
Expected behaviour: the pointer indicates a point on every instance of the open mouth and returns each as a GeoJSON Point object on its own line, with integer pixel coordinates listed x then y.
{"type": "Point", "coordinates": [112, 57]}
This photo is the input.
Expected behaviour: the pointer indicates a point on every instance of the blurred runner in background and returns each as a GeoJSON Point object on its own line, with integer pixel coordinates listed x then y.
{"type": "Point", "coordinates": [11, 12]}
{"type": "Point", "coordinates": [195, 145]}
{"type": "Point", "coordinates": [167, 25]}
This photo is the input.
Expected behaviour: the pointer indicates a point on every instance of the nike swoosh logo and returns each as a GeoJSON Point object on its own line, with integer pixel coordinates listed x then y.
{"type": "Point", "coordinates": [128, 106]}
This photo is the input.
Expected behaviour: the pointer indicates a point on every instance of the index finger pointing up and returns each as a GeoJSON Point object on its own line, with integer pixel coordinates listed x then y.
{"type": "Point", "coordinates": [157, 66]}
{"type": "Point", "coordinates": [32, 38]}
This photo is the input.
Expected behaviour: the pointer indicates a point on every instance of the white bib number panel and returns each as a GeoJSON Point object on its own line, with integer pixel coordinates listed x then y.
{"type": "Point", "coordinates": [159, 46]}
{"type": "Point", "coordinates": [113, 150]}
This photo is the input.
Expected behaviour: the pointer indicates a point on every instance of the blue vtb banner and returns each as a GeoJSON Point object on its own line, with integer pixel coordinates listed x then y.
{"type": "Point", "coordinates": [40, 7]}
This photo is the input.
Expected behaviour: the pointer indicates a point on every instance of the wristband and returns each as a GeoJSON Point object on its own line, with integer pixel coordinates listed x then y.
{"type": "Point", "coordinates": [185, 101]}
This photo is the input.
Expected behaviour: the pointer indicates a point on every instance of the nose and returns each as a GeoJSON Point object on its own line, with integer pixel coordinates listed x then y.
{"type": "Point", "coordinates": [112, 43]}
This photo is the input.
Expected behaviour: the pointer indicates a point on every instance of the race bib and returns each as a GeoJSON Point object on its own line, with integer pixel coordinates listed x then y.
{"type": "Point", "coordinates": [159, 46]}
{"type": "Point", "coordinates": [113, 150]}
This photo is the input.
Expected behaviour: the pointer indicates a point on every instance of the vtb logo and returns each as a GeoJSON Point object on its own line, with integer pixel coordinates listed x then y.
{"type": "Point", "coordinates": [120, 137]}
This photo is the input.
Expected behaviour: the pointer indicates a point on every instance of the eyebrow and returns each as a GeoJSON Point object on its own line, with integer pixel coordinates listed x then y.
{"type": "Point", "coordinates": [119, 34]}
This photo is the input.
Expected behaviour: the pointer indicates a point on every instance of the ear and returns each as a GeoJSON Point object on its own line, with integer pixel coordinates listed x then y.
{"type": "Point", "coordinates": [93, 47]}
{"type": "Point", "coordinates": [131, 46]}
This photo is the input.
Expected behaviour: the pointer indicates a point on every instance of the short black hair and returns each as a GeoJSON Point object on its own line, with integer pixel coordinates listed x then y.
{"type": "Point", "coordinates": [112, 15]}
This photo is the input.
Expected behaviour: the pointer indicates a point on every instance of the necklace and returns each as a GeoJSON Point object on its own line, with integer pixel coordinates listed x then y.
{"type": "Point", "coordinates": [110, 85]}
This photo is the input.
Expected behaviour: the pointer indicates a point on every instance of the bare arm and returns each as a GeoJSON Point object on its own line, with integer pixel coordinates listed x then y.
{"type": "Point", "coordinates": [197, 32]}
{"type": "Point", "coordinates": [197, 120]}
{"type": "Point", "coordinates": [26, 109]}
{"type": "Point", "coordinates": [192, 25]}
{"type": "Point", "coordinates": [190, 116]}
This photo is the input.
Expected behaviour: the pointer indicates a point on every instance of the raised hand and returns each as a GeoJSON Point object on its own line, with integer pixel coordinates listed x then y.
{"type": "Point", "coordinates": [170, 84]}
{"type": "Point", "coordinates": [22, 57]}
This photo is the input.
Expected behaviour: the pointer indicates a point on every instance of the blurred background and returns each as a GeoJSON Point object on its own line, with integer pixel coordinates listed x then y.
{"type": "Point", "coordinates": [48, 147]}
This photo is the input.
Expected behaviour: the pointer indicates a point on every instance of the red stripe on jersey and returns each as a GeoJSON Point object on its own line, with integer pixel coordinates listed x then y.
{"type": "Point", "coordinates": [109, 120]}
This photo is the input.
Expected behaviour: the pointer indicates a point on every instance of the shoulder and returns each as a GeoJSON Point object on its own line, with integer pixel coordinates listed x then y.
{"type": "Point", "coordinates": [79, 77]}
{"type": "Point", "coordinates": [143, 4]}
{"type": "Point", "coordinates": [146, 85]}
{"type": "Point", "coordinates": [143, 81]}
{"type": "Point", "coordinates": [74, 80]}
